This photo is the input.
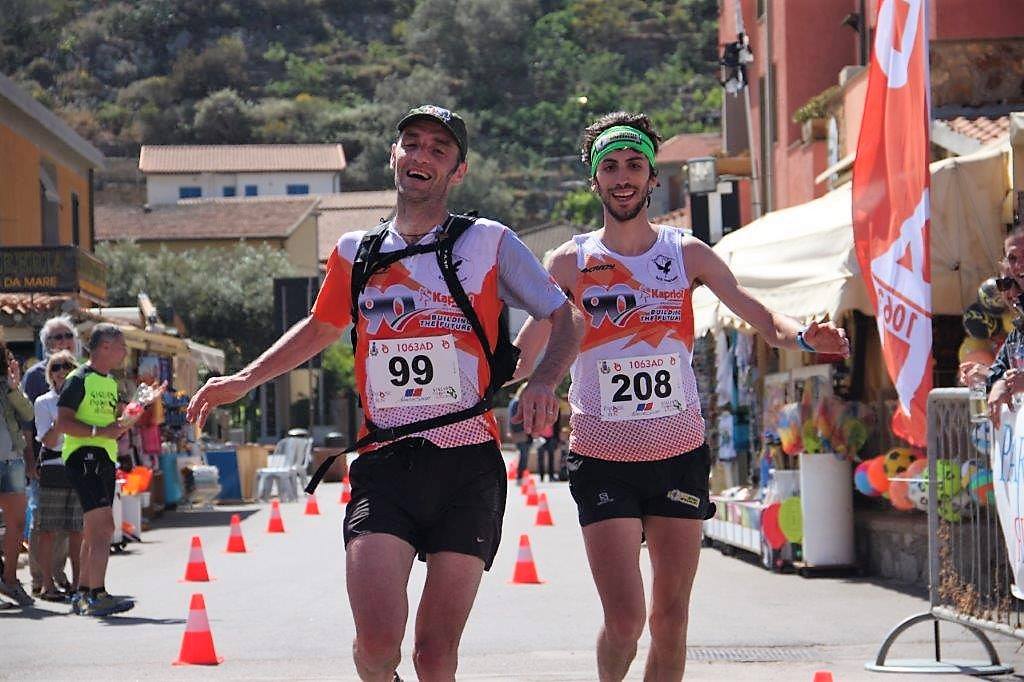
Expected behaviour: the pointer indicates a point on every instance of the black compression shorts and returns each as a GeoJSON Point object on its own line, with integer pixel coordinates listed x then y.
{"type": "Point", "coordinates": [436, 499]}
{"type": "Point", "coordinates": [676, 487]}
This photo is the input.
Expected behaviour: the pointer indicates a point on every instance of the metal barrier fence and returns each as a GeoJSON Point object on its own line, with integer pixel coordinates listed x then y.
{"type": "Point", "coordinates": [969, 571]}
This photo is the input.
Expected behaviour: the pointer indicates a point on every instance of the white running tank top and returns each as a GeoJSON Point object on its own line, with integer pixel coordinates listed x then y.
{"type": "Point", "coordinates": [633, 393]}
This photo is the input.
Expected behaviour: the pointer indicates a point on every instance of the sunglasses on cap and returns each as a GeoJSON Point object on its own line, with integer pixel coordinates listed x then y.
{"type": "Point", "coordinates": [61, 367]}
{"type": "Point", "coordinates": [66, 336]}
{"type": "Point", "coordinates": [1005, 283]}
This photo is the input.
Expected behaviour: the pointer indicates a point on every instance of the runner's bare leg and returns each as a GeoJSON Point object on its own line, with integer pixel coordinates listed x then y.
{"type": "Point", "coordinates": [452, 583]}
{"type": "Point", "coordinates": [674, 547]}
{"type": "Point", "coordinates": [613, 549]}
{"type": "Point", "coordinates": [377, 570]}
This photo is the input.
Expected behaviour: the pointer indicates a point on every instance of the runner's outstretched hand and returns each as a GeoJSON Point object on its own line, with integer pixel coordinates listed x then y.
{"type": "Point", "coordinates": [826, 337]}
{"type": "Point", "coordinates": [215, 392]}
{"type": "Point", "coordinates": [538, 407]}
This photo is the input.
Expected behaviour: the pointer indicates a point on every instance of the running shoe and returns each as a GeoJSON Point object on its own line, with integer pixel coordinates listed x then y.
{"type": "Point", "coordinates": [78, 603]}
{"type": "Point", "coordinates": [55, 595]}
{"type": "Point", "coordinates": [15, 592]}
{"type": "Point", "coordinates": [102, 604]}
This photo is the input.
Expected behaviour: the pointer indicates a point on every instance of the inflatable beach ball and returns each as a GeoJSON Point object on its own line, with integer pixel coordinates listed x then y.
{"type": "Point", "coordinates": [897, 460]}
{"type": "Point", "coordinates": [770, 527]}
{"type": "Point", "coordinates": [877, 475]}
{"type": "Point", "coordinates": [981, 488]}
{"type": "Point", "coordinates": [917, 488]}
{"type": "Point", "coordinates": [861, 481]}
{"type": "Point", "coordinates": [791, 519]}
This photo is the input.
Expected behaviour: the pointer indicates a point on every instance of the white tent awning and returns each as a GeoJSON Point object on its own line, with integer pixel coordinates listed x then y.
{"type": "Point", "coordinates": [801, 261]}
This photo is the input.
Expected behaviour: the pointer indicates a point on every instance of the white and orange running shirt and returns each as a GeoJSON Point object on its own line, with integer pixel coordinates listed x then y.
{"type": "Point", "coordinates": [633, 394]}
{"type": "Point", "coordinates": [417, 356]}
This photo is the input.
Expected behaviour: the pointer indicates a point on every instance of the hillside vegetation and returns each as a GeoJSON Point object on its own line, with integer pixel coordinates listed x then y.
{"type": "Point", "coordinates": [526, 74]}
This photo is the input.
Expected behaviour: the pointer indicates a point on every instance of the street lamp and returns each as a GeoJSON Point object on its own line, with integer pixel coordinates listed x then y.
{"type": "Point", "coordinates": [733, 77]}
{"type": "Point", "coordinates": [733, 64]}
{"type": "Point", "coordinates": [702, 175]}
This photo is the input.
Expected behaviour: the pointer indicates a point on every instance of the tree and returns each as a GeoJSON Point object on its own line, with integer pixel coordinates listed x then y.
{"type": "Point", "coordinates": [222, 118]}
{"type": "Point", "coordinates": [485, 190]}
{"type": "Point", "coordinates": [580, 207]}
{"type": "Point", "coordinates": [224, 296]}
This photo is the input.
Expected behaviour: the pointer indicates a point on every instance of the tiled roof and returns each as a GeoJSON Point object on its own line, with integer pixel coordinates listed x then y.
{"type": "Point", "coordinates": [270, 217]}
{"type": "Point", "coordinates": [27, 304]}
{"type": "Point", "coordinates": [984, 129]}
{"type": "Point", "coordinates": [240, 158]}
{"type": "Point", "coordinates": [677, 218]}
{"type": "Point", "coordinates": [680, 148]}
{"type": "Point", "coordinates": [347, 211]}
{"type": "Point", "coordinates": [368, 199]}
{"type": "Point", "coordinates": [335, 223]}
{"type": "Point", "coordinates": [544, 238]}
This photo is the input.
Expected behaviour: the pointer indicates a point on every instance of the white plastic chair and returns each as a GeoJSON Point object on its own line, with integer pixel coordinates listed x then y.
{"type": "Point", "coordinates": [283, 469]}
{"type": "Point", "coordinates": [302, 457]}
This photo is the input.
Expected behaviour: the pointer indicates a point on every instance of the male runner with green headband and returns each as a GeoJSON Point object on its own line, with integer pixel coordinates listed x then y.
{"type": "Point", "coordinates": [638, 460]}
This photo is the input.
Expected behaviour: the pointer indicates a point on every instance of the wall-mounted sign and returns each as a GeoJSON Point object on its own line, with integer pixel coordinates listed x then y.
{"type": "Point", "coordinates": [51, 270]}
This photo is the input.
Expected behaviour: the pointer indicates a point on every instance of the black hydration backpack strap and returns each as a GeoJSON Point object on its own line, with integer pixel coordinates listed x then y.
{"type": "Point", "coordinates": [367, 262]}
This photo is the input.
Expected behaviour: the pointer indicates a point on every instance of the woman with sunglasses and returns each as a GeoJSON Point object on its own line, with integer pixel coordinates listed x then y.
{"type": "Point", "coordinates": [58, 333]}
{"type": "Point", "coordinates": [59, 509]}
{"type": "Point", "coordinates": [1006, 375]}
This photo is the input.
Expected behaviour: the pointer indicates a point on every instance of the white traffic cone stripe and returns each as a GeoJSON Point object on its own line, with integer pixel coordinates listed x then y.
{"type": "Point", "coordinates": [195, 555]}
{"type": "Point", "coordinates": [197, 621]}
{"type": "Point", "coordinates": [524, 554]}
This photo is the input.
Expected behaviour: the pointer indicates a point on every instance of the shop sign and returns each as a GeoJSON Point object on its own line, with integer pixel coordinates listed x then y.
{"type": "Point", "coordinates": [52, 270]}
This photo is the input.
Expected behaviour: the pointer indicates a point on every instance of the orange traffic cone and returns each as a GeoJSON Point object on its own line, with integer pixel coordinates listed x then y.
{"type": "Point", "coordinates": [197, 644]}
{"type": "Point", "coordinates": [822, 676]}
{"type": "Point", "coordinates": [346, 491]}
{"type": "Point", "coordinates": [512, 469]}
{"type": "Point", "coordinates": [525, 571]}
{"type": "Point", "coordinates": [543, 513]}
{"type": "Point", "coordinates": [236, 543]}
{"type": "Point", "coordinates": [531, 494]}
{"type": "Point", "coordinates": [276, 524]}
{"type": "Point", "coordinates": [312, 509]}
{"type": "Point", "coordinates": [525, 486]}
{"type": "Point", "coordinates": [196, 570]}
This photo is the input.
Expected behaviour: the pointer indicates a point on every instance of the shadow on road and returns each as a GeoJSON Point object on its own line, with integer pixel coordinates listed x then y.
{"type": "Point", "coordinates": [138, 620]}
{"type": "Point", "coordinates": [31, 613]}
{"type": "Point", "coordinates": [194, 519]}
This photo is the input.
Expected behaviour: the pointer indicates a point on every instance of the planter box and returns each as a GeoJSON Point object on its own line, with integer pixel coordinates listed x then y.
{"type": "Point", "coordinates": [814, 129]}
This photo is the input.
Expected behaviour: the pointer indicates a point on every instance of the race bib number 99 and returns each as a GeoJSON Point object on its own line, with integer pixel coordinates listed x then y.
{"type": "Point", "coordinates": [641, 388]}
{"type": "Point", "coordinates": [416, 371]}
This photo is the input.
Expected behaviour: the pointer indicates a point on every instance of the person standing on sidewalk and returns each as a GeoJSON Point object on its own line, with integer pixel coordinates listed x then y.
{"type": "Point", "coordinates": [17, 461]}
{"type": "Point", "coordinates": [87, 416]}
{"type": "Point", "coordinates": [59, 511]}
{"type": "Point", "coordinates": [638, 463]}
{"type": "Point", "coordinates": [439, 492]}
{"type": "Point", "coordinates": [518, 435]}
{"type": "Point", "coordinates": [57, 334]}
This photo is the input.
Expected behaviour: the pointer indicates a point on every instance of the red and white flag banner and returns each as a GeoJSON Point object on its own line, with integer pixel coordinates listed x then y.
{"type": "Point", "coordinates": [891, 224]}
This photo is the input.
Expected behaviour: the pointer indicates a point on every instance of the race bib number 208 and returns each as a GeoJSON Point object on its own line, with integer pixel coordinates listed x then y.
{"type": "Point", "coordinates": [641, 387]}
{"type": "Point", "coordinates": [414, 371]}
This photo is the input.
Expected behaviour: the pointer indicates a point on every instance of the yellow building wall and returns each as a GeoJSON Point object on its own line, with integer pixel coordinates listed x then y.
{"type": "Point", "coordinates": [20, 215]}
{"type": "Point", "coordinates": [302, 248]}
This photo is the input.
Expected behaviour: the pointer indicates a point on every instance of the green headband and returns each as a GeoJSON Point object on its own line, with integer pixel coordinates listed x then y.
{"type": "Point", "coordinates": [620, 137]}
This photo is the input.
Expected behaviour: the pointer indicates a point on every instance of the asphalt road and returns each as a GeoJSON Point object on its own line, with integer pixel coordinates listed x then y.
{"type": "Point", "coordinates": [280, 611]}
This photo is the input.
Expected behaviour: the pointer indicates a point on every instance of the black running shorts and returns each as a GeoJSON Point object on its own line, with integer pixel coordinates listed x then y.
{"type": "Point", "coordinates": [437, 500]}
{"type": "Point", "coordinates": [676, 487]}
{"type": "Point", "coordinates": [92, 476]}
